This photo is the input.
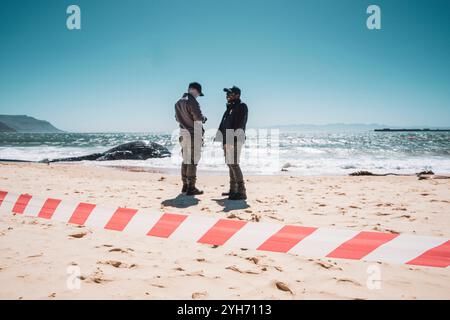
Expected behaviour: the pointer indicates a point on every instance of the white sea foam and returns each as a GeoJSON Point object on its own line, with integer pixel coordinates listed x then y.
{"type": "Point", "coordinates": [306, 153]}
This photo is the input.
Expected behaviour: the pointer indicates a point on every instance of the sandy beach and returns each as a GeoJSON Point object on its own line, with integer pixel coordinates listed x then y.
{"type": "Point", "coordinates": [35, 254]}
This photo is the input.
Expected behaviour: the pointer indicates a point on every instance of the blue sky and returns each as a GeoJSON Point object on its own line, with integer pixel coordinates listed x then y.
{"type": "Point", "coordinates": [298, 61]}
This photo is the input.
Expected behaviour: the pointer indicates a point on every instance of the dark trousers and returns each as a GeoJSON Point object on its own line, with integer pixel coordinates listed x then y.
{"type": "Point", "coordinates": [191, 152]}
{"type": "Point", "coordinates": [232, 158]}
{"type": "Point", "coordinates": [236, 178]}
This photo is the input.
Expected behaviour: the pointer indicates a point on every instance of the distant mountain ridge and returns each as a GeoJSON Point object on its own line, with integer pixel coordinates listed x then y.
{"type": "Point", "coordinates": [345, 126]}
{"type": "Point", "coordinates": [5, 128]}
{"type": "Point", "coordinates": [24, 123]}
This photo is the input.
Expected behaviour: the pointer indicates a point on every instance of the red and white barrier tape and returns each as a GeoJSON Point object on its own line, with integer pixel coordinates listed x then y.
{"type": "Point", "coordinates": [304, 241]}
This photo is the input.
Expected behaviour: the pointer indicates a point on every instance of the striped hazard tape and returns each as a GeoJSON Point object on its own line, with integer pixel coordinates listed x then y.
{"type": "Point", "coordinates": [304, 241]}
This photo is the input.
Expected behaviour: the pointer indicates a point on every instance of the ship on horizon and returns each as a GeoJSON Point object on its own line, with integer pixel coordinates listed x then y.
{"type": "Point", "coordinates": [411, 130]}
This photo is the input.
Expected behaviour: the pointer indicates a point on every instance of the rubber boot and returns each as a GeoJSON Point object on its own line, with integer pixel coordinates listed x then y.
{"type": "Point", "coordinates": [191, 189]}
{"type": "Point", "coordinates": [233, 189]}
{"type": "Point", "coordinates": [184, 178]}
{"type": "Point", "coordinates": [241, 193]}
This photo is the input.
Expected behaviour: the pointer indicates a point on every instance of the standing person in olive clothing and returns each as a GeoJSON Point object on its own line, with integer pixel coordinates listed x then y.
{"type": "Point", "coordinates": [189, 115]}
{"type": "Point", "coordinates": [232, 134]}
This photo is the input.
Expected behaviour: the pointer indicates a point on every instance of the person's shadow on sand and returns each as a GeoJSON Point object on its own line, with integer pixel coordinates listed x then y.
{"type": "Point", "coordinates": [230, 205]}
{"type": "Point", "coordinates": [181, 201]}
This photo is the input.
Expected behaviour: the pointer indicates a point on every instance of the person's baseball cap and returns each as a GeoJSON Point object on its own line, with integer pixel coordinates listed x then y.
{"type": "Point", "coordinates": [197, 86]}
{"type": "Point", "coordinates": [233, 89]}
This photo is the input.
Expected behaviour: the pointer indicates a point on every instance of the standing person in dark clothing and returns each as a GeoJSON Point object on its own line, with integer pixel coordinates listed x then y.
{"type": "Point", "coordinates": [189, 115]}
{"type": "Point", "coordinates": [232, 135]}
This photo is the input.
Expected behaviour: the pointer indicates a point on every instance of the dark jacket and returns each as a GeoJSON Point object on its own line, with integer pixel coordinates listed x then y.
{"type": "Point", "coordinates": [187, 112]}
{"type": "Point", "coordinates": [235, 117]}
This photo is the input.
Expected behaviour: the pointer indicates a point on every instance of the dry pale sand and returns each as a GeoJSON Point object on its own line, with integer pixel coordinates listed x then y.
{"type": "Point", "coordinates": [38, 258]}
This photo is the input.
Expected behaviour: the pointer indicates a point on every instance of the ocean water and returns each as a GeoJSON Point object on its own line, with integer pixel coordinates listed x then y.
{"type": "Point", "coordinates": [265, 152]}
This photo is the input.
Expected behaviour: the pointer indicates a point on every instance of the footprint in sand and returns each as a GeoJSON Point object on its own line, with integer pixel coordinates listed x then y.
{"type": "Point", "coordinates": [255, 260]}
{"type": "Point", "coordinates": [326, 265]}
{"type": "Point", "coordinates": [280, 269]}
{"type": "Point", "coordinates": [236, 269]}
{"type": "Point", "coordinates": [345, 280]}
{"type": "Point", "coordinates": [377, 228]}
{"type": "Point", "coordinates": [195, 274]}
{"type": "Point", "coordinates": [78, 235]}
{"type": "Point", "coordinates": [120, 250]}
{"type": "Point", "coordinates": [382, 214]}
{"type": "Point", "coordinates": [96, 277]}
{"type": "Point", "coordinates": [3, 232]}
{"type": "Point", "coordinates": [275, 218]}
{"type": "Point", "coordinates": [385, 204]}
{"type": "Point", "coordinates": [233, 216]}
{"type": "Point", "coordinates": [118, 264]}
{"type": "Point", "coordinates": [199, 295]}
{"type": "Point", "coordinates": [283, 287]}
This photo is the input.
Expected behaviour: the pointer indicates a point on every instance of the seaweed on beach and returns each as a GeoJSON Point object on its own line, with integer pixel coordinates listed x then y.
{"type": "Point", "coordinates": [425, 173]}
{"type": "Point", "coordinates": [368, 173]}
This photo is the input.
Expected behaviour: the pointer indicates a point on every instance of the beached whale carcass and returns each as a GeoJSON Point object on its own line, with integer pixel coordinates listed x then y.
{"type": "Point", "coordinates": [136, 150]}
